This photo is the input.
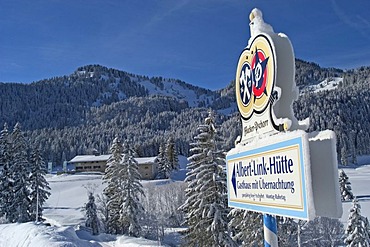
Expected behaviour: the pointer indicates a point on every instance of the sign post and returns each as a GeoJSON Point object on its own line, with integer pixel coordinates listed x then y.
{"type": "Point", "coordinates": [270, 230]}
{"type": "Point", "coordinates": [276, 168]}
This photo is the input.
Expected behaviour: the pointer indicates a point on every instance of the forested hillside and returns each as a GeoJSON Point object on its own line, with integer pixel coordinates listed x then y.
{"type": "Point", "coordinates": [70, 115]}
{"type": "Point", "coordinates": [346, 110]}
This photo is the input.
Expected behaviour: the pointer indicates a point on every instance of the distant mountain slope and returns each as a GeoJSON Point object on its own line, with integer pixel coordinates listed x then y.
{"type": "Point", "coordinates": [64, 101]}
{"type": "Point", "coordinates": [69, 115]}
{"type": "Point", "coordinates": [308, 73]}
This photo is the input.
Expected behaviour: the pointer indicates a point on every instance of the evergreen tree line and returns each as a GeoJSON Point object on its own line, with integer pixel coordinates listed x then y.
{"type": "Point", "coordinates": [146, 132]}
{"type": "Point", "coordinates": [67, 100]}
{"type": "Point", "coordinates": [309, 73]}
{"type": "Point", "coordinates": [70, 115]}
{"type": "Point", "coordinates": [23, 187]}
{"type": "Point", "coordinates": [346, 111]}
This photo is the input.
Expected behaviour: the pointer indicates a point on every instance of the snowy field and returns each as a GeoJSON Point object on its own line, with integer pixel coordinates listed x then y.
{"type": "Point", "coordinates": [69, 194]}
{"type": "Point", "coordinates": [360, 181]}
{"type": "Point", "coordinates": [63, 211]}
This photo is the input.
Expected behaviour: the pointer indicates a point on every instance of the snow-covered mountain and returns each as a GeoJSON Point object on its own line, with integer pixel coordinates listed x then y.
{"type": "Point", "coordinates": [120, 85]}
{"type": "Point", "coordinates": [72, 114]}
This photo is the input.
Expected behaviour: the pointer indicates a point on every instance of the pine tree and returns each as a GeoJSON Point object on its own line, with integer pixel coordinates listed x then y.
{"type": "Point", "coordinates": [131, 208]}
{"type": "Point", "coordinates": [20, 172]}
{"type": "Point", "coordinates": [103, 212]}
{"type": "Point", "coordinates": [4, 146]}
{"type": "Point", "coordinates": [164, 168]}
{"type": "Point", "coordinates": [38, 185]}
{"type": "Point", "coordinates": [321, 231]}
{"type": "Point", "coordinates": [367, 225]}
{"type": "Point", "coordinates": [171, 154]}
{"type": "Point", "coordinates": [247, 227]}
{"type": "Point", "coordinates": [114, 175]}
{"type": "Point", "coordinates": [345, 187]}
{"type": "Point", "coordinates": [288, 231]}
{"type": "Point", "coordinates": [206, 205]}
{"type": "Point", "coordinates": [92, 220]}
{"type": "Point", "coordinates": [6, 182]}
{"type": "Point", "coordinates": [356, 232]}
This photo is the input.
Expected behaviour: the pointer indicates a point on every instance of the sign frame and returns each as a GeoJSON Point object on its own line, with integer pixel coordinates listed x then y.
{"type": "Point", "coordinates": [299, 141]}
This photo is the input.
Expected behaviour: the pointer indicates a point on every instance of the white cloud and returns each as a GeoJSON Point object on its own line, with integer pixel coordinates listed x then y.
{"type": "Point", "coordinates": [357, 22]}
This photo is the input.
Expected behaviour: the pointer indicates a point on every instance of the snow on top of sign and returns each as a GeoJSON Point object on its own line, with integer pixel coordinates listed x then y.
{"type": "Point", "coordinates": [265, 140]}
{"type": "Point", "coordinates": [322, 135]}
{"type": "Point", "coordinates": [257, 24]}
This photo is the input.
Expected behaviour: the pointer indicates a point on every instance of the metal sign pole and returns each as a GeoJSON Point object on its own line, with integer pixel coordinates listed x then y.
{"type": "Point", "coordinates": [270, 230]}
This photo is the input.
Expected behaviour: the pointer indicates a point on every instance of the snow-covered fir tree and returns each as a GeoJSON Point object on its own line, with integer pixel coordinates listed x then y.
{"type": "Point", "coordinates": [131, 208]}
{"type": "Point", "coordinates": [38, 185]}
{"type": "Point", "coordinates": [247, 227]}
{"type": "Point", "coordinates": [321, 231]}
{"type": "Point", "coordinates": [114, 175]}
{"type": "Point", "coordinates": [103, 212]}
{"type": "Point", "coordinates": [171, 154]}
{"type": "Point", "coordinates": [20, 172]}
{"type": "Point", "coordinates": [367, 226]}
{"type": "Point", "coordinates": [92, 220]}
{"type": "Point", "coordinates": [287, 231]}
{"type": "Point", "coordinates": [356, 231]}
{"type": "Point", "coordinates": [206, 204]}
{"type": "Point", "coordinates": [4, 146]}
{"type": "Point", "coordinates": [345, 187]}
{"type": "Point", "coordinates": [6, 183]}
{"type": "Point", "coordinates": [164, 167]}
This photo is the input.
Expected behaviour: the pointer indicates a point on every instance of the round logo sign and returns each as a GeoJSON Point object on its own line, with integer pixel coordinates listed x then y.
{"type": "Point", "coordinates": [255, 77]}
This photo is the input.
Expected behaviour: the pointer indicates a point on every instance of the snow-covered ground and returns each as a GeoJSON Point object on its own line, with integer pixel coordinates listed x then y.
{"type": "Point", "coordinates": [69, 194]}
{"type": "Point", "coordinates": [360, 181]}
{"type": "Point", "coordinates": [63, 211]}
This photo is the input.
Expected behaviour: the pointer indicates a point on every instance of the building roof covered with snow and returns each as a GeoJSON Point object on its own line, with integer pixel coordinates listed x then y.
{"type": "Point", "coordinates": [148, 166]}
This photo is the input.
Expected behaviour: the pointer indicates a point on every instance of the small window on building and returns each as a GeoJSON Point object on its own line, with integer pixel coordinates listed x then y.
{"type": "Point", "coordinates": [146, 167]}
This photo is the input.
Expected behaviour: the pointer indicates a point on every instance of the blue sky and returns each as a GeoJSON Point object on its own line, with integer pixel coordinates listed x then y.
{"type": "Point", "coordinates": [197, 41]}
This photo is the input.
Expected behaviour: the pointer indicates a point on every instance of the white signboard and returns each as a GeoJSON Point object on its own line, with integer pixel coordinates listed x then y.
{"type": "Point", "coordinates": [277, 168]}
{"type": "Point", "coordinates": [269, 179]}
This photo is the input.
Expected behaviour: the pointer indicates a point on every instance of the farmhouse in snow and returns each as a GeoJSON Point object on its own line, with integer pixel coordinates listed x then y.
{"type": "Point", "coordinates": [148, 166]}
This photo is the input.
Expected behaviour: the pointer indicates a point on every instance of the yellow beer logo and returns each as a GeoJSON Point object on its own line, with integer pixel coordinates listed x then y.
{"type": "Point", "coordinates": [255, 77]}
